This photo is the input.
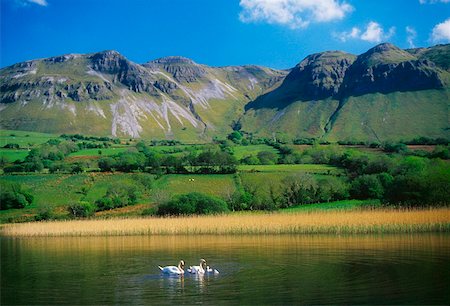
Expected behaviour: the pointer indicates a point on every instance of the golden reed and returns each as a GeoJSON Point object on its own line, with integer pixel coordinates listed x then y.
{"type": "Point", "coordinates": [318, 222]}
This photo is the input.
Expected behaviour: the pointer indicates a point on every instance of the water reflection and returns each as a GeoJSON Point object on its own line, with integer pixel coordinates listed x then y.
{"type": "Point", "coordinates": [391, 269]}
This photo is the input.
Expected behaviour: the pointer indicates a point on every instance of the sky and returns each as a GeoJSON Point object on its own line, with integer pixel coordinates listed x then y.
{"type": "Point", "coordinates": [273, 33]}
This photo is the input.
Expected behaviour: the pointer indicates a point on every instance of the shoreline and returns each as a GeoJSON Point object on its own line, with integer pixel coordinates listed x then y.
{"type": "Point", "coordinates": [374, 221]}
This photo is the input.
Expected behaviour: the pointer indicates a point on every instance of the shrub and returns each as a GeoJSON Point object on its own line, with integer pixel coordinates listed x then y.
{"type": "Point", "coordinates": [151, 211]}
{"type": "Point", "coordinates": [13, 196]}
{"type": "Point", "coordinates": [192, 203]}
{"type": "Point", "coordinates": [81, 209]}
{"type": "Point", "coordinates": [267, 158]}
{"type": "Point", "coordinates": [44, 213]}
{"type": "Point", "coordinates": [367, 187]}
{"type": "Point", "coordinates": [118, 195]}
{"type": "Point", "coordinates": [104, 204]}
{"type": "Point", "coordinates": [250, 160]}
{"type": "Point", "coordinates": [11, 146]}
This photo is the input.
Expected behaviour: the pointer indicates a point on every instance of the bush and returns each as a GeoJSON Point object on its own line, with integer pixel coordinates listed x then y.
{"type": "Point", "coordinates": [151, 211]}
{"type": "Point", "coordinates": [104, 204]}
{"type": "Point", "coordinates": [267, 158]}
{"type": "Point", "coordinates": [118, 195]}
{"type": "Point", "coordinates": [192, 203]}
{"type": "Point", "coordinates": [13, 196]}
{"type": "Point", "coordinates": [11, 146]}
{"type": "Point", "coordinates": [44, 213]}
{"type": "Point", "coordinates": [81, 209]}
{"type": "Point", "coordinates": [367, 186]}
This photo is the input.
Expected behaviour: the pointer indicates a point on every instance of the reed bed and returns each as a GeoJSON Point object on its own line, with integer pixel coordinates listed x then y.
{"type": "Point", "coordinates": [318, 222]}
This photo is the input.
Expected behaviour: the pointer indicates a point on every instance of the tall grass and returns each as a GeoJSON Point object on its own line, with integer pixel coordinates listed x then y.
{"type": "Point", "coordinates": [319, 222]}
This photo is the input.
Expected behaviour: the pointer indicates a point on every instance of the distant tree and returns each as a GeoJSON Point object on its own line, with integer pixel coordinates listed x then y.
{"type": "Point", "coordinates": [267, 158]}
{"type": "Point", "coordinates": [11, 146]}
{"type": "Point", "coordinates": [367, 186]}
{"type": "Point", "coordinates": [192, 203]}
{"type": "Point", "coordinates": [14, 196]}
{"type": "Point", "coordinates": [81, 209]}
{"type": "Point", "coordinates": [235, 136]}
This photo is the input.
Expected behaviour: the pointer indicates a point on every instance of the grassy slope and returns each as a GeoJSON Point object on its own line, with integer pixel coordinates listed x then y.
{"type": "Point", "coordinates": [60, 190]}
{"type": "Point", "coordinates": [396, 116]}
{"type": "Point", "coordinates": [337, 205]}
{"type": "Point", "coordinates": [309, 168]}
{"type": "Point", "coordinates": [24, 138]}
{"type": "Point", "coordinates": [299, 119]}
{"type": "Point", "coordinates": [252, 150]}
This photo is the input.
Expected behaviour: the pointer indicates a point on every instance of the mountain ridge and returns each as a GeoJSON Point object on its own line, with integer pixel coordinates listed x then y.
{"type": "Point", "coordinates": [174, 97]}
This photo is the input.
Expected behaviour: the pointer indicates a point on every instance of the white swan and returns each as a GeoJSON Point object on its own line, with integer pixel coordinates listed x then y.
{"type": "Point", "coordinates": [177, 270]}
{"type": "Point", "coordinates": [211, 270]}
{"type": "Point", "coordinates": [198, 269]}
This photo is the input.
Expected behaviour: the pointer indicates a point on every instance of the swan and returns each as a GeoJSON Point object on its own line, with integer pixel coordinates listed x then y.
{"type": "Point", "coordinates": [178, 270]}
{"type": "Point", "coordinates": [211, 270]}
{"type": "Point", "coordinates": [198, 269]}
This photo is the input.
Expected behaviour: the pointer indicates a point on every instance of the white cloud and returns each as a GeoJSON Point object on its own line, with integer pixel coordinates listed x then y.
{"type": "Point", "coordinates": [411, 36]}
{"type": "Point", "coordinates": [433, 1]}
{"type": "Point", "coordinates": [293, 13]}
{"type": "Point", "coordinates": [39, 2]}
{"type": "Point", "coordinates": [441, 32]}
{"type": "Point", "coordinates": [373, 32]}
{"type": "Point", "coordinates": [24, 3]}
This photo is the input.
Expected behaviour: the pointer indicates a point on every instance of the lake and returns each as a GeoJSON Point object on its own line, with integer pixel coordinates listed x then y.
{"type": "Point", "coordinates": [284, 269]}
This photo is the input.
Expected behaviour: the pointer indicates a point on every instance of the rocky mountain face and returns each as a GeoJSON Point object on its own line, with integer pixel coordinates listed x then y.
{"type": "Point", "coordinates": [387, 69]}
{"type": "Point", "coordinates": [333, 95]}
{"type": "Point", "coordinates": [317, 77]}
{"type": "Point", "coordinates": [168, 97]}
{"type": "Point", "coordinates": [385, 93]}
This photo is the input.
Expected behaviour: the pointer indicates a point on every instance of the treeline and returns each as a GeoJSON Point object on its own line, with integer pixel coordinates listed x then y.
{"type": "Point", "coordinates": [79, 137]}
{"type": "Point", "coordinates": [212, 159]}
{"type": "Point", "coordinates": [408, 180]}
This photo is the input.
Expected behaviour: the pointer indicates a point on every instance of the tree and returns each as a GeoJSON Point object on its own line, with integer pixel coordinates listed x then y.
{"type": "Point", "coordinates": [14, 196]}
{"type": "Point", "coordinates": [192, 203]}
{"type": "Point", "coordinates": [235, 136]}
{"type": "Point", "coordinates": [267, 158]}
{"type": "Point", "coordinates": [81, 209]}
{"type": "Point", "coordinates": [367, 186]}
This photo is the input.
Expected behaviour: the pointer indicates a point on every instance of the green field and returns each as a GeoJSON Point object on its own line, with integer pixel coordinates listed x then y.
{"type": "Point", "coordinates": [60, 190]}
{"type": "Point", "coordinates": [24, 139]}
{"type": "Point", "coordinates": [337, 205]}
{"type": "Point", "coordinates": [302, 168]}
{"type": "Point", "coordinates": [95, 152]}
{"type": "Point", "coordinates": [12, 154]}
{"type": "Point", "coordinates": [212, 184]}
{"type": "Point", "coordinates": [251, 150]}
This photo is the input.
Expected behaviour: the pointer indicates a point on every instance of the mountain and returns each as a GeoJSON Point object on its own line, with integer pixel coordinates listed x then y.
{"type": "Point", "coordinates": [384, 93]}
{"type": "Point", "coordinates": [106, 94]}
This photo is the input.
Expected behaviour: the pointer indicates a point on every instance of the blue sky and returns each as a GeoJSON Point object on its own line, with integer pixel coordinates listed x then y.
{"type": "Point", "coordinates": [274, 33]}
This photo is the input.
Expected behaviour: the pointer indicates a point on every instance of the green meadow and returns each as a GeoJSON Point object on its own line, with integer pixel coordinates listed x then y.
{"type": "Point", "coordinates": [131, 177]}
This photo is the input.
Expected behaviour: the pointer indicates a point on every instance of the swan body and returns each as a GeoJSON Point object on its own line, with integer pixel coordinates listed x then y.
{"type": "Point", "coordinates": [173, 270]}
{"type": "Point", "coordinates": [211, 270]}
{"type": "Point", "coordinates": [198, 269]}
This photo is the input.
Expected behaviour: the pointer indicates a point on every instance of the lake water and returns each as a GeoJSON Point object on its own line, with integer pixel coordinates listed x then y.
{"type": "Point", "coordinates": [258, 270]}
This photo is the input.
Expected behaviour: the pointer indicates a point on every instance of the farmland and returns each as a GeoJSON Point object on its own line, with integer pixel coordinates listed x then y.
{"type": "Point", "coordinates": [101, 177]}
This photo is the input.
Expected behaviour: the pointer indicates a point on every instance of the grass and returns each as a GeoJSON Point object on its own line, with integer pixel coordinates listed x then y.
{"type": "Point", "coordinates": [13, 154]}
{"type": "Point", "coordinates": [307, 168]}
{"type": "Point", "coordinates": [24, 138]}
{"type": "Point", "coordinates": [212, 184]}
{"type": "Point", "coordinates": [62, 189]}
{"type": "Point", "coordinates": [59, 190]}
{"type": "Point", "coordinates": [251, 150]}
{"type": "Point", "coordinates": [94, 152]}
{"type": "Point", "coordinates": [337, 205]}
{"type": "Point", "coordinates": [319, 222]}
